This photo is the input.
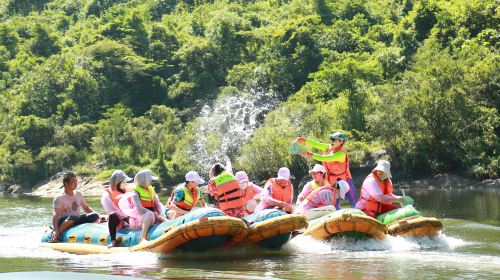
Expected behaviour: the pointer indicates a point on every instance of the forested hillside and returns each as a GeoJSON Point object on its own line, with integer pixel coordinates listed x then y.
{"type": "Point", "coordinates": [93, 85]}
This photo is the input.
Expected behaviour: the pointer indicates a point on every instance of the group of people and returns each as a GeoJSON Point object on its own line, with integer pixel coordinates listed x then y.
{"type": "Point", "coordinates": [234, 194]}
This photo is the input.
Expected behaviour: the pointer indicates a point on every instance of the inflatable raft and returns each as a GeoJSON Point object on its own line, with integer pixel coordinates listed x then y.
{"type": "Point", "coordinates": [409, 222]}
{"type": "Point", "coordinates": [346, 222]}
{"type": "Point", "coordinates": [272, 228]}
{"type": "Point", "coordinates": [199, 230]}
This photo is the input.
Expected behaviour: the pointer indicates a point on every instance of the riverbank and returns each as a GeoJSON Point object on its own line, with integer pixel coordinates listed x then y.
{"type": "Point", "coordinates": [93, 187]}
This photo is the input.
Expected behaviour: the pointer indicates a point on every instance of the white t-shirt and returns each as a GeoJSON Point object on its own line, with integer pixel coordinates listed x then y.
{"type": "Point", "coordinates": [70, 204]}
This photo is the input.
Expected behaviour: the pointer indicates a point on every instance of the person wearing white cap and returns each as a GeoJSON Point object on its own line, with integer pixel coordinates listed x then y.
{"type": "Point", "coordinates": [376, 193]}
{"type": "Point", "coordinates": [142, 204]}
{"type": "Point", "coordinates": [318, 180]}
{"type": "Point", "coordinates": [185, 196]}
{"type": "Point", "coordinates": [278, 192]}
{"type": "Point", "coordinates": [251, 192]}
{"type": "Point", "coordinates": [335, 160]}
{"type": "Point", "coordinates": [323, 198]}
{"type": "Point", "coordinates": [109, 201]}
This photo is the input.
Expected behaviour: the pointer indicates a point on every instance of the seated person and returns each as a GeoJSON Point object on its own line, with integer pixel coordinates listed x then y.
{"type": "Point", "coordinates": [109, 200]}
{"type": "Point", "coordinates": [376, 193]}
{"type": "Point", "coordinates": [224, 191]}
{"type": "Point", "coordinates": [67, 208]}
{"type": "Point", "coordinates": [142, 204]}
{"type": "Point", "coordinates": [323, 198]}
{"type": "Point", "coordinates": [277, 193]}
{"type": "Point", "coordinates": [185, 196]}
{"type": "Point", "coordinates": [318, 180]}
{"type": "Point", "coordinates": [251, 192]}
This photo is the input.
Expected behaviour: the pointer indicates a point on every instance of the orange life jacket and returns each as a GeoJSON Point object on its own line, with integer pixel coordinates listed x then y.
{"type": "Point", "coordinates": [337, 170]}
{"type": "Point", "coordinates": [281, 190]}
{"type": "Point", "coordinates": [370, 202]}
{"type": "Point", "coordinates": [228, 192]}
{"type": "Point", "coordinates": [114, 195]}
{"type": "Point", "coordinates": [316, 192]}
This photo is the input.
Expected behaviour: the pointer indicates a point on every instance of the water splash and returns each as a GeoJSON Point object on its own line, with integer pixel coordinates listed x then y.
{"type": "Point", "coordinates": [307, 245]}
{"type": "Point", "coordinates": [228, 125]}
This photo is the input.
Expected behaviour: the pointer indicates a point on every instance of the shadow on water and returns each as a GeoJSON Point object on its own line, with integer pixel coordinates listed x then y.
{"type": "Point", "coordinates": [479, 205]}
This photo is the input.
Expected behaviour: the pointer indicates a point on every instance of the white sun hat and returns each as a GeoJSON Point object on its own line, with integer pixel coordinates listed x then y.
{"type": "Point", "coordinates": [284, 173]}
{"type": "Point", "coordinates": [318, 168]}
{"type": "Point", "coordinates": [241, 176]}
{"type": "Point", "coordinates": [384, 166]}
{"type": "Point", "coordinates": [195, 177]}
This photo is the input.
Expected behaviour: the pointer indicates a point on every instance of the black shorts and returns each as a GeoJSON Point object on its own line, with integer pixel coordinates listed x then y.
{"type": "Point", "coordinates": [82, 219]}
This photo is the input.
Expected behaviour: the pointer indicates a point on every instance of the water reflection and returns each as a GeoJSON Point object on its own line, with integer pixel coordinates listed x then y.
{"type": "Point", "coordinates": [480, 205]}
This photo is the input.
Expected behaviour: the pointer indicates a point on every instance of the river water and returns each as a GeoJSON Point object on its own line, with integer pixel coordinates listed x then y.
{"type": "Point", "coordinates": [469, 247]}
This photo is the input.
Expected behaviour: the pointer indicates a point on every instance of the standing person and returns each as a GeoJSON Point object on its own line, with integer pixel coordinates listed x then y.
{"type": "Point", "coordinates": [376, 193]}
{"type": "Point", "coordinates": [67, 208]}
{"type": "Point", "coordinates": [323, 197]}
{"type": "Point", "coordinates": [335, 160]}
{"type": "Point", "coordinates": [318, 180]}
{"type": "Point", "coordinates": [185, 196]}
{"type": "Point", "coordinates": [251, 192]}
{"type": "Point", "coordinates": [142, 204]}
{"type": "Point", "coordinates": [109, 200]}
{"type": "Point", "coordinates": [278, 192]}
{"type": "Point", "coordinates": [224, 190]}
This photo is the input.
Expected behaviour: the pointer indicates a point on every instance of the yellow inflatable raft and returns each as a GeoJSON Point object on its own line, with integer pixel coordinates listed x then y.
{"type": "Point", "coordinates": [345, 221]}
{"type": "Point", "coordinates": [407, 221]}
{"type": "Point", "coordinates": [197, 231]}
{"type": "Point", "coordinates": [272, 228]}
{"type": "Point", "coordinates": [415, 227]}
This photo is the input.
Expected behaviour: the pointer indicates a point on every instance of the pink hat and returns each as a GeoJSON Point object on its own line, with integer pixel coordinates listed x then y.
{"type": "Point", "coordinates": [318, 168]}
{"type": "Point", "coordinates": [241, 176]}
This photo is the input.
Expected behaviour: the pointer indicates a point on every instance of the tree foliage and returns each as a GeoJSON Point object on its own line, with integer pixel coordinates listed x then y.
{"type": "Point", "coordinates": [124, 84]}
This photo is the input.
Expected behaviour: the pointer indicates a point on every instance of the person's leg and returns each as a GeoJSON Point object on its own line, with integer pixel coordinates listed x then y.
{"type": "Point", "coordinates": [351, 194]}
{"type": "Point", "coordinates": [88, 218]}
{"type": "Point", "coordinates": [64, 224]}
{"type": "Point", "coordinates": [147, 221]}
{"type": "Point", "coordinates": [113, 222]}
{"type": "Point", "coordinates": [337, 203]}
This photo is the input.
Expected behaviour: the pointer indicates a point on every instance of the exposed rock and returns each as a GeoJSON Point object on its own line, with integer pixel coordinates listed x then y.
{"type": "Point", "coordinates": [87, 186]}
{"type": "Point", "coordinates": [14, 189]}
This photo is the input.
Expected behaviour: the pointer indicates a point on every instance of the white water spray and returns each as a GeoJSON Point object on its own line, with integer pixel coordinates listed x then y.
{"type": "Point", "coordinates": [228, 125]}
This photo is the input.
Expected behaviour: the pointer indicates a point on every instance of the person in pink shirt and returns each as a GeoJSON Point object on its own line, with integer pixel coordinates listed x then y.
{"type": "Point", "coordinates": [142, 204]}
{"type": "Point", "coordinates": [376, 193]}
{"type": "Point", "coordinates": [67, 208]}
{"type": "Point", "coordinates": [277, 193]}
{"type": "Point", "coordinates": [251, 191]}
{"type": "Point", "coordinates": [323, 197]}
{"type": "Point", "coordinates": [318, 175]}
{"type": "Point", "coordinates": [109, 200]}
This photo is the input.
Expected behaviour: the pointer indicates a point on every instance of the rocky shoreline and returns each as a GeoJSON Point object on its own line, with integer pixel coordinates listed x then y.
{"type": "Point", "coordinates": [93, 187]}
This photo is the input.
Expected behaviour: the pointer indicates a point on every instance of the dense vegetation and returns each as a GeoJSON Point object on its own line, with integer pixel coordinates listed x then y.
{"type": "Point", "coordinates": [92, 85]}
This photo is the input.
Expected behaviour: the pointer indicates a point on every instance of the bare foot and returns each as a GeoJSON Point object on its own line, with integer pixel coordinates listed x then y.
{"type": "Point", "coordinates": [54, 238]}
{"type": "Point", "coordinates": [114, 243]}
